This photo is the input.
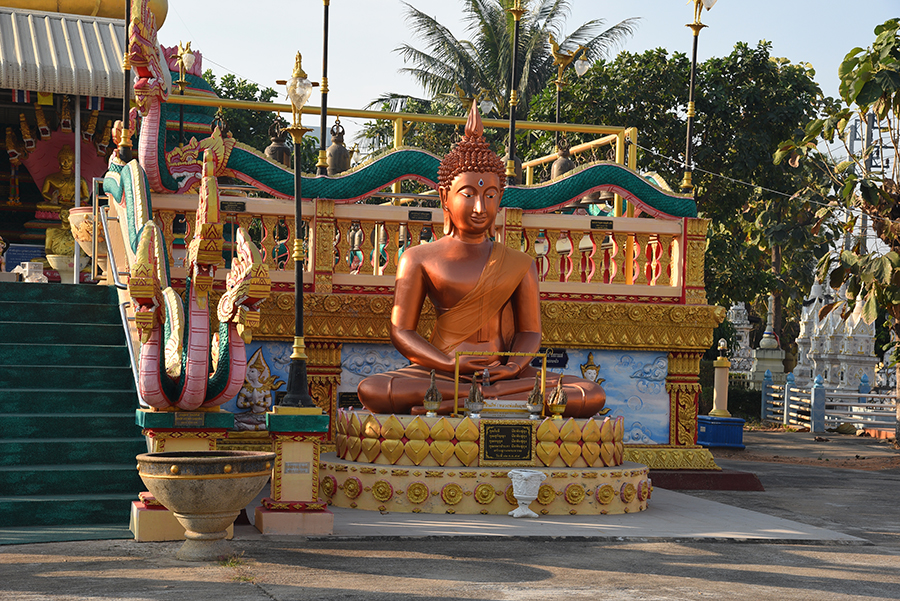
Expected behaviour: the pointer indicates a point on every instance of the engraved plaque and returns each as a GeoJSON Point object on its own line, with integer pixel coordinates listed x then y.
{"type": "Point", "coordinates": [601, 224]}
{"type": "Point", "coordinates": [296, 467]}
{"type": "Point", "coordinates": [349, 400]}
{"type": "Point", "coordinates": [507, 443]}
{"type": "Point", "coordinates": [190, 419]}
{"type": "Point", "coordinates": [232, 206]}
{"type": "Point", "coordinates": [419, 215]}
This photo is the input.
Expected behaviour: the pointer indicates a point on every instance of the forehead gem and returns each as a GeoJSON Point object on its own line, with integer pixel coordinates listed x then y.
{"type": "Point", "coordinates": [481, 182]}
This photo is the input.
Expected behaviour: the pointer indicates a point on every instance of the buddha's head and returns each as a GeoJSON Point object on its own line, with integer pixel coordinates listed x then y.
{"type": "Point", "coordinates": [66, 157]}
{"type": "Point", "coordinates": [470, 182]}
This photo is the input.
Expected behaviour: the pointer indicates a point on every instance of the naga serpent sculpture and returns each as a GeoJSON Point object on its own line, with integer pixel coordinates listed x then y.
{"type": "Point", "coordinates": [175, 360]}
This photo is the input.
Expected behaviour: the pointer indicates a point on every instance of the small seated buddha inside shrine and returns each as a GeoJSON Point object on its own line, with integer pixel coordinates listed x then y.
{"type": "Point", "coordinates": [59, 187]}
{"type": "Point", "coordinates": [486, 298]}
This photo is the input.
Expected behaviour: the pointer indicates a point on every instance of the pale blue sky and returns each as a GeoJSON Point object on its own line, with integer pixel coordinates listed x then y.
{"type": "Point", "coordinates": [257, 40]}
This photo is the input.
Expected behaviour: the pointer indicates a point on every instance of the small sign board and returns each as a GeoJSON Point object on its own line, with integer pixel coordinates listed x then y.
{"type": "Point", "coordinates": [232, 206]}
{"type": "Point", "coordinates": [189, 419]}
{"type": "Point", "coordinates": [296, 467]}
{"type": "Point", "coordinates": [349, 400]}
{"type": "Point", "coordinates": [601, 224]}
{"type": "Point", "coordinates": [419, 215]}
{"type": "Point", "coordinates": [508, 443]}
{"type": "Point", "coordinates": [22, 253]}
{"type": "Point", "coordinates": [556, 359]}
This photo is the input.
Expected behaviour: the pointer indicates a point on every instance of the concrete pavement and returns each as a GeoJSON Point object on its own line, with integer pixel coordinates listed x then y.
{"type": "Point", "coordinates": [816, 532]}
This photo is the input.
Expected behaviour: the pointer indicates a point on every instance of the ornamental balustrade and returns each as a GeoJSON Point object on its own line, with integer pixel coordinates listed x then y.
{"type": "Point", "coordinates": [360, 245]}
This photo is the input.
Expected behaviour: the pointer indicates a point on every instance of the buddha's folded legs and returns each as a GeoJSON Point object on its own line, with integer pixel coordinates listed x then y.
{"type": "Point", "coordinates": [402, 391]}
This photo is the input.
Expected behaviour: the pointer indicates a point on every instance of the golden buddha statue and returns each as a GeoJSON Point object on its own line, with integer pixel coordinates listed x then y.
{"type": "Point", "coordinates": [485, 295]}
{"type": "Point", "coordinates": [59, 240]}
{"type": "Point", "coordinates": [59, 188]}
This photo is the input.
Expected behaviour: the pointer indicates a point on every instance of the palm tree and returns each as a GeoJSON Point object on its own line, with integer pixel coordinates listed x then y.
{"type": "Point", "coordinates": [481, 65]}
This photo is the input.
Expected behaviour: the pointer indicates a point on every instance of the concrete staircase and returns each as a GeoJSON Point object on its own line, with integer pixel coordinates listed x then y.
{"type": "Point", "coordinates": [67, 402]}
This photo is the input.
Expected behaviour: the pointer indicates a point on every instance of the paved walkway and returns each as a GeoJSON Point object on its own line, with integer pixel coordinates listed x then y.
{"type": "Point", "coordinates": [816, 532]}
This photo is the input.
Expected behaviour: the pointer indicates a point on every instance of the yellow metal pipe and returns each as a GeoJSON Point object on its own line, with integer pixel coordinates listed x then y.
{"type": "Point", "coordinates": [398, 142]}
{"type": "Point", "coordinates": [609, 139]}
{"type": "Point", "coordinates": [363, 114]}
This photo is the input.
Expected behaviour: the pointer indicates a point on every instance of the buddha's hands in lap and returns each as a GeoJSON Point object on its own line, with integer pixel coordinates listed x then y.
{"type": "Point", "coordinates": [498, 371]}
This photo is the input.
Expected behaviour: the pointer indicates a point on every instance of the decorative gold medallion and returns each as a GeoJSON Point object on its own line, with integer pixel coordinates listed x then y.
{"type": "Point", "coordinates": [484, 493]}
{"type": "Point", "coordinates": [509, 496]}
{"type": "Point", "coordinates": [606, 494]}
{"type": "Point", "coordinates": [452, 493]}
{"type": "Point", "coordinates": [382, 491]}
{"type": "Point", "coordinates": [574, 494]}
{"type": "Point", "coordinates": [328, 485]}
{"type": "Point", "coordinates": [417, 492]}
{"type": "Point", "coordinates": [628, 492]}
{"type": "Point", "coordinates": [546, 494]}
{"type": "Point", "coordinates": [352, 487]}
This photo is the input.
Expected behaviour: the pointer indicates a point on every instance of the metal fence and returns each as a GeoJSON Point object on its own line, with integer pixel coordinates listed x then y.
{"type": "Point", "coordinates": [817, 408]}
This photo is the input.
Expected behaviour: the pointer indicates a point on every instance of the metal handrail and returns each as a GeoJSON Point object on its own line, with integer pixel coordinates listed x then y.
{"type": "Point", "coordinates": [104, 219]}
{"type": "Point", "coordinates": [96, 183]}
{"type": "Point", "coordinates": [131, 356]}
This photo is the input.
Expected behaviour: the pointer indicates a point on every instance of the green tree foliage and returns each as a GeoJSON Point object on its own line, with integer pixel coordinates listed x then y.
{"type": "Point", "coordinates": [746, 103]}
{"type": "Point", "coordinates": [481, 64]}
{"type": "Point", "coordinates": [870, 83]}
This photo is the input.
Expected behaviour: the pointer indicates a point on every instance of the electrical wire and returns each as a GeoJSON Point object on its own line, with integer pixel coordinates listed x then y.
{"type": "Point", "coordinates": [846, 210]}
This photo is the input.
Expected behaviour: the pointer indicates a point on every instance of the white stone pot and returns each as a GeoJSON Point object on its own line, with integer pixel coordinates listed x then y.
{"type": "Point", "coordinates": [526, 484]}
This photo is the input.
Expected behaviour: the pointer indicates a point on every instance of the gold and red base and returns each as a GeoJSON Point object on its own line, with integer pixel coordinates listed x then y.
{"type": "Point", "coordinates": [625, 488]}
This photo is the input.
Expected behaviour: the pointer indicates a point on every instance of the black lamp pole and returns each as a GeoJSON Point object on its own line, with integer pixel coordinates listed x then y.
{"type": "Point", "coordinates": [322, 164]}
{"type": "Point", "coordinates": [125, 153]}
{"type": "Point", "coordinates": [686, 184]}
{"type": "Point", "coordinates": [517, 11]}
{"type": "Point", "coordinates": [298, 383]}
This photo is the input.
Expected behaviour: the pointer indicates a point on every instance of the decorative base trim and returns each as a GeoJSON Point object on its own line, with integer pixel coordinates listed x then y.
{"type": "Point", "coordinates": [468, 491]}
{"type": "Point", "coordinates": [668, 458]}
{"type": "Point", "coordinates": [273, 505]}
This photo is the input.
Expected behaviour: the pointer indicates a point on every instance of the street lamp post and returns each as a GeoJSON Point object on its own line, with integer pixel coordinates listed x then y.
{"type": "Point", "coordinates": [516, 11]}
{"type": "Point", "coordinates": [125, 153]}
{"type": "Point", "coordinates": [696, 26]}
{"type": "Point", "coordinates": [299, 89]}
{"type": "Point", "coordinates": [322, 164]}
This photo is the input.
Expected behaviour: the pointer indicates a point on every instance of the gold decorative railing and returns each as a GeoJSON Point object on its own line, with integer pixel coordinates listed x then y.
{"type": "Point", "coordinates": [354, 246]}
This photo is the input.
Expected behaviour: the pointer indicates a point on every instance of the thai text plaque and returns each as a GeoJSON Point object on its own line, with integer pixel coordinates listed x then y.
{"type": "Point", "coordinates": [232, 206]}
{"type": "Point", "coordinates": [507, 442]}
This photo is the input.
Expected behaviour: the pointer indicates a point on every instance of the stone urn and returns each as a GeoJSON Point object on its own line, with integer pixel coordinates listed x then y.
{"type": "Point", "coordinates": [81, 220]}
{"type": "Point", "coordinates": [526, 484]}
{"type": "Point", "coordinates": [206, 491]}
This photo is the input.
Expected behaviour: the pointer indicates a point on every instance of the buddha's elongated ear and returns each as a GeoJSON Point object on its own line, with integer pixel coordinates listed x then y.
{"type": "Point", "coordinates": [448, 225]}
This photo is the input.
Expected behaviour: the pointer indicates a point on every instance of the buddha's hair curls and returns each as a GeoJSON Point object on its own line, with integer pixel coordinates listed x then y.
{"type": "Point", "coordinates": [471, 154]}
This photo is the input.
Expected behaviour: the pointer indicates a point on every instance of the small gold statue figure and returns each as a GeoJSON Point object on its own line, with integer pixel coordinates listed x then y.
{"type": "Point", "coordinates": [59, 240]}
{"type": "Point", "coordinates": [256, 395]}
{"type": "Point", "coordinates": [59, 188]}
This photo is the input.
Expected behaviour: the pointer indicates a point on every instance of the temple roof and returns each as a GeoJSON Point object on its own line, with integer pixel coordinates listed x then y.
{"type": "Point", "coordinates": [61, 53]}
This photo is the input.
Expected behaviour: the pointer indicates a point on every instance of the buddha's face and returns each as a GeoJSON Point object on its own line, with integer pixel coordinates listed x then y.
{"type": "Point", "coordinates": [472, 203]}
{"type": "Point", "coordinates": [66, 162]}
